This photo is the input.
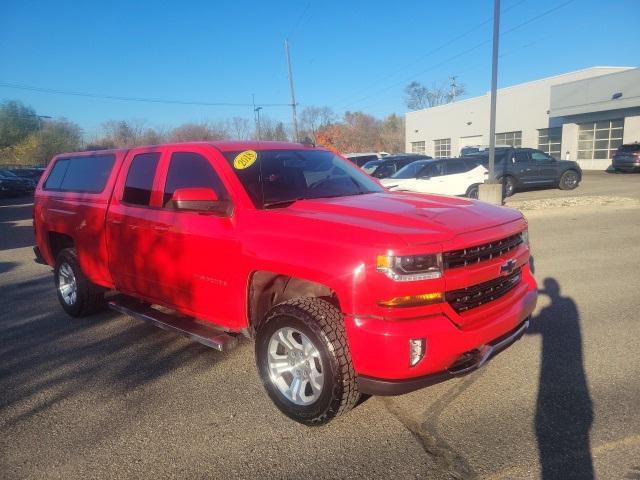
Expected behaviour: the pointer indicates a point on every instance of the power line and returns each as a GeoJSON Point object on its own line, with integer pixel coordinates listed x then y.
{"type": "Point", "coordinates": [464, 52]}
{"type": "Point", "coordinates": [32, 88]}
{"type": "Point", "coordinates": [437, 49]}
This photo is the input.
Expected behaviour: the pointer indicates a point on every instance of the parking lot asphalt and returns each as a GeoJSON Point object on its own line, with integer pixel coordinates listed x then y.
{"type": "Point", "coordinates": [110, 397]}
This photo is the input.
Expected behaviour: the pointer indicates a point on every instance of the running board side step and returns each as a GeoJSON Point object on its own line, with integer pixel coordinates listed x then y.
{"type": "Point", "coordinates": [173, 322]}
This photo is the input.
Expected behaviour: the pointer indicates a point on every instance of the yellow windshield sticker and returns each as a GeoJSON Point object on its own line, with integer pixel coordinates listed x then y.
{"type": "Point", "coordinates": [245, 159]}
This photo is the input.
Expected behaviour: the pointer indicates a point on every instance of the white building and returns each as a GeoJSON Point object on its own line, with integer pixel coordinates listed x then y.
{"type": "Point", "coordinates": [583, 115]}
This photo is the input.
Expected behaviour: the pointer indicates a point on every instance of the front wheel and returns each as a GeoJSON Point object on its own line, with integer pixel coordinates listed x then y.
{"type": "Point", "coordinates": [569, 180]}
{"type": "Point", "coordinates": [304, 361]}
{"type": "Point", "coordinates": [508, 186]}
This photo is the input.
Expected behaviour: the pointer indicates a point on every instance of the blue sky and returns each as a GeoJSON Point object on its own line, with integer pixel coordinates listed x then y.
{"type": "Point", "coordinates": [349, 55]}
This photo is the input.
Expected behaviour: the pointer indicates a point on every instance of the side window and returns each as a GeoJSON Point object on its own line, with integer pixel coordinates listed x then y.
{"type": "Point", "coordinates": [137, 188]}
{"type": "Point", "coordinates": [191, 170]}
{"type": "Point", "coordinates": [521, 157]}
{"type": "Point", "coordinates": [455, 166]}
{"type": "Point", "coordinates": [431, 170]}
{"type": "Point", "coordinates": [540, 157]}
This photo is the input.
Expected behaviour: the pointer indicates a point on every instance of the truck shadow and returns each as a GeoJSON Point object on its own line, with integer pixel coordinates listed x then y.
{"type": "Point", "coordinates": [47, 357]}
{"type": "Point", "coordinates": [564, 412]}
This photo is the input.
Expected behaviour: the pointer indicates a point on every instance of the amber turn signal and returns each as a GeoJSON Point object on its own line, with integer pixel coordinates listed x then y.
{"type": "Point", "coordinates": [412, 300]}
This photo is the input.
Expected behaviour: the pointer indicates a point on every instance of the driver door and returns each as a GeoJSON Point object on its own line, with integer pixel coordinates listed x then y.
{"type": "Point", "coordinates": [430, 179]}
{"type": "Point", "coordinates": [546, 167]}
{"type": "Point", "coordinates": [198, 250]}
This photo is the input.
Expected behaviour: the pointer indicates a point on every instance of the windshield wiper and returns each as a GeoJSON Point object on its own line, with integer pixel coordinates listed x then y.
{"type": "Point", "coordinates": [280, 203]}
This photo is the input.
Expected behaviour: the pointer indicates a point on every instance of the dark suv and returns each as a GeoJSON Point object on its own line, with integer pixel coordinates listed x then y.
{"type": "Point", "coordinates": [627, 158]}
{"type": "Point", "coordinates": [519, 168]}
{"type": "Point", "coordinates": [387, 166]}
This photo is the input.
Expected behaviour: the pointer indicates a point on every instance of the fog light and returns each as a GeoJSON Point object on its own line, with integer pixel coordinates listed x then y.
{"type": "Point", "coordinates": [417, 349]}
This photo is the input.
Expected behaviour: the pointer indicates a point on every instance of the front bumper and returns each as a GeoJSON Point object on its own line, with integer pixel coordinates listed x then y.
{"type": "Point", "coordinates": [380, 346]}
{"type": "Point", "coordinates": [477, 358]}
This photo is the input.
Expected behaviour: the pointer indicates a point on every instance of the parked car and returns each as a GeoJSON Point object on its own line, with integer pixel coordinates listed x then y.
{"type": "Point", "coordinates": [347, 289]}
{"type": "Point", "coordinates": [473, 149]}
{"type": "Point", "coordinates": [13, 186]}
{"type": "Point", "coordinates": [519, 168]}
{"type": "Point", "coordinates": [361, 158]}
{"type": "Point", "coordinates": [627, 158]}
{"type": "Point", "coordinates": [446, 176]}
{"type": "Point", "coordinates": [30, 173]}
{"type": "Point", "coordinates": [389, 165]}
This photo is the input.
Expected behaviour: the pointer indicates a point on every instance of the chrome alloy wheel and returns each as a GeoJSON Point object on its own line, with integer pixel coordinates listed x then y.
{"type": "Point", "coordinates": [67, 284]}
{"type": "Point", "coordinates": [295, 366]}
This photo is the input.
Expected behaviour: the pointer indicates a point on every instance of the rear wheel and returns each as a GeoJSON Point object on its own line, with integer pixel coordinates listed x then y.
{"type": "Point", "coordinates": [77, 295]}
{"type": "Point", "coordinates": [304, 361]}
{"type": "Point", "coordinates": [569, 180]}
{"type": "Point", "coordinates": [472, 191]}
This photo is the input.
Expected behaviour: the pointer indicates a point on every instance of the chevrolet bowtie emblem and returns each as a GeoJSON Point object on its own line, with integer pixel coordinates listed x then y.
{"type": "Point", "coordinates": [507, 267]}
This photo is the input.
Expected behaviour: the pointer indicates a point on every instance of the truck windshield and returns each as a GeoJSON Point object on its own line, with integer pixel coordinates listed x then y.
{"type": "Point", "coordinates": [280, 177]}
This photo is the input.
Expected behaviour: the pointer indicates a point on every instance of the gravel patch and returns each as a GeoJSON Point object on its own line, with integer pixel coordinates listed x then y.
{"type": "Point", "coordinates": [587, 201]}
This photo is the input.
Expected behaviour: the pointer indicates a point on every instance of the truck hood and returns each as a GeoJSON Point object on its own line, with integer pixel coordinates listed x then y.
{"type": "Point", "coordinates": [415, 218]}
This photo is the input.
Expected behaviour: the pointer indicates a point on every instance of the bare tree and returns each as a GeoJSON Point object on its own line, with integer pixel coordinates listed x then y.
{"type": "Point", "coordinates": [313, 118]}
{"type": "Point", "coordinates": [418, 96]}
{"type": "Point", "coordinates": [240, 128]}
{"type": "Point", "coordinates": [189, 132]}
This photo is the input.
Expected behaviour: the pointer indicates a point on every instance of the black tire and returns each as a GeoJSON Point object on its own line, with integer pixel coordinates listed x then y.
{"type": "Point", "coordinates": [89, 297]}
{"type": "Point", "coordinates": [472, 191]}
{"type": "Point", "coordinates": [322, 324]}
{"type": "Point", "coordinates": [508, 185]}
{"type": "Point", "coordinates": [569, 180]}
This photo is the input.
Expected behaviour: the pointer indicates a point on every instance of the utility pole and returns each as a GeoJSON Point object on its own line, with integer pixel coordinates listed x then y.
{"type": "Point", "coordinates": [257, 110]}
{"type": "Point", "coordinates": [491, 191]}
{"type": "Point", "coordinates": [293, 95]}
{"type": "Point", "coordinates": [453, 88]}
{"type": "Point", "coordinates": [256, 115]}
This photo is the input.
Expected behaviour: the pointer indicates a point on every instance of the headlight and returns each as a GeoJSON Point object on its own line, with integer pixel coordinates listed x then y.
{"type": "Point", "coordinates": [409, 268]}
{"type": "Point", "coordinates": [524, 235]}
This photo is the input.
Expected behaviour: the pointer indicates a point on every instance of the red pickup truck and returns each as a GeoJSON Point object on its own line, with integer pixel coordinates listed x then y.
{"type": "Point", "coordinates": [347, 288]}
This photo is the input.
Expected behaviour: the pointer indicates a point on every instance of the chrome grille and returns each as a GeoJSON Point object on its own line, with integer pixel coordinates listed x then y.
{"type": "Point", "coordinates": [471, 297]}
{"type": "Point", "coordinates": [479, 253]}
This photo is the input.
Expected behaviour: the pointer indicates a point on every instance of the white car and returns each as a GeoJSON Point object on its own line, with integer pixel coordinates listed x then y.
{"type": "Point", "coordinates": [445, 176]}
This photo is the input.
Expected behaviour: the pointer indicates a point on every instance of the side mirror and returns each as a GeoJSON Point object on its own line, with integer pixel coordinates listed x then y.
{"type": "Point", "coordinates": [424, 177]}
{"type": "Point", "coordinates": [198, 199]}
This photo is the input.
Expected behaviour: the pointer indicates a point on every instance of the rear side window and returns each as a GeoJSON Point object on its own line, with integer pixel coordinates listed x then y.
{"type": "Point", "coordinates": [137, 188]}
{"type": "Point", "coordinates": [54, 180]}
{"type": "Point", "coordinates": [191, 170]}
{"type": "Point", "coordinates": [80, 174]}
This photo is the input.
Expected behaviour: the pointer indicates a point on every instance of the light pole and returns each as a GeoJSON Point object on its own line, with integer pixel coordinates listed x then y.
{"type": "Point", "coordinates": [491, 191]}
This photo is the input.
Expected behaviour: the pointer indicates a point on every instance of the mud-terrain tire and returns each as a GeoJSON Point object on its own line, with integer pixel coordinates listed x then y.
{"type": "Point", "coordinates": [77, 295]}
{"type": "Point", "coordinates": [304, 340]}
